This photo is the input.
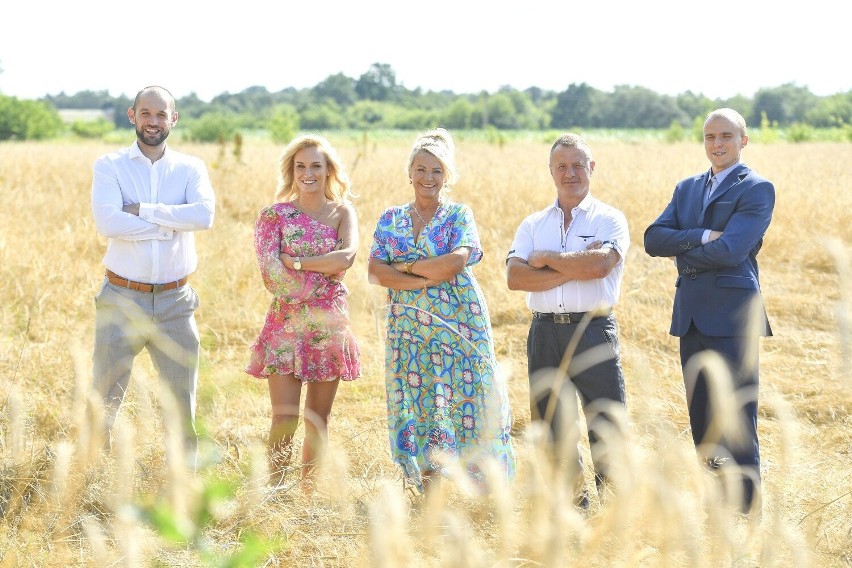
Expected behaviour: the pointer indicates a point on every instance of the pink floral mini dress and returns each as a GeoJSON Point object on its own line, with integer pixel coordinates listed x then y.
{"type": "Point", "coordinates": [307, 331]}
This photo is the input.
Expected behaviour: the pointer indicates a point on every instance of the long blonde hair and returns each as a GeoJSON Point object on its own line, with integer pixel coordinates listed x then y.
{"type": "Point", "coordinates": [338, 187]}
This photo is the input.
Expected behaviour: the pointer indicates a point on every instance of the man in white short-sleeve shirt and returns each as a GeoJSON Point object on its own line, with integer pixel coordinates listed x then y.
{"type": "Point", "coordinates": [569, 258]}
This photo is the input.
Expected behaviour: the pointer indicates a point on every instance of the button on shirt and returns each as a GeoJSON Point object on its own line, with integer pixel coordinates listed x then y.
{"type": "Point", "coordinates": [175, 197]}
{"type": "Point", "coordinates": [592, 221]}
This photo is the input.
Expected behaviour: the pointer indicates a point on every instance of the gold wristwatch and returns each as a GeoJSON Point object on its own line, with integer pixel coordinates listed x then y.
{"type": "Point", "coordinates": [297, 263]}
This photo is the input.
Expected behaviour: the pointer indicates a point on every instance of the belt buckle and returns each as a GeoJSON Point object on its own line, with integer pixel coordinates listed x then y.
{"type": "Point", "coordinates": [562, 318]}
{"type": "Point", "coordinates": [158, 288]}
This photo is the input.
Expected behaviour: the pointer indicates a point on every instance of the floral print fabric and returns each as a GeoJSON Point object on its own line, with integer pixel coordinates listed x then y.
{"type": "Point", "coordinates": [306, 332]}
{"type": "Point", "coordinates": [447, 402]}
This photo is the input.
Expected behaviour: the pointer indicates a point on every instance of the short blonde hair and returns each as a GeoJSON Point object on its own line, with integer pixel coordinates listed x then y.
{"type": "Point", "coordinates": [338, 186]}
{"type": "Point", "coordinates": [439, 143]}
{"type": "Point", "coordinates": [730, 114]}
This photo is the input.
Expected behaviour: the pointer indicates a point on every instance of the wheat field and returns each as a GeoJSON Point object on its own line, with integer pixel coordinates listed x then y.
{"type": "Point", "coordinates": [62, 503]}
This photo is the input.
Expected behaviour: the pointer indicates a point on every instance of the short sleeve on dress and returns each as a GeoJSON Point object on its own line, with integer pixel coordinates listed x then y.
{"type": "Point", "coordinates": [465, 234]}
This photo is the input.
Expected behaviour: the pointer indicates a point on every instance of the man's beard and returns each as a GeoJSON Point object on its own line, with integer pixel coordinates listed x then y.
{"type": "Point", "coordinates": [149, 140]}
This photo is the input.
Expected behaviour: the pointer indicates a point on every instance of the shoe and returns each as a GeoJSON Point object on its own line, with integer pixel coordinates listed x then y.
{"type": "Point", "coordinates": [715, 462]}
{"type": "Point", "coordinates": [581, 500]}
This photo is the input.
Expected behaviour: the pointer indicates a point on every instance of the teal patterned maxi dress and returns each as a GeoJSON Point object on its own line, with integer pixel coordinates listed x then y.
{"type": "Point", "coordinates": [447, 402]}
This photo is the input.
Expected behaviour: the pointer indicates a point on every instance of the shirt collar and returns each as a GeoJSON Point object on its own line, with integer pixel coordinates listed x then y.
{"type": "Point", "coordinates": [136, 152]}
{"type": "Point", "coordinates": [720, 177]}
{"type": "Point", "coordinates": [585, 204]}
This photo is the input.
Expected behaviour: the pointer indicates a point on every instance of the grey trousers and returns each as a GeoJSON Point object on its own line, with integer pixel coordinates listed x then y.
{"type": "Point", "coordinates": [594, 372]}
{"type": "Point", "coordinates": [163, 323]}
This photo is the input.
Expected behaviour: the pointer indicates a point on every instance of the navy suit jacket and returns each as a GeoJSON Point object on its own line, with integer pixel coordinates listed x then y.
{"type": "Point", "coordinates": [718, 281]}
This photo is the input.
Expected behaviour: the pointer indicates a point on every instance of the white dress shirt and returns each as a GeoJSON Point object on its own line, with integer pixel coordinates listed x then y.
{"type": "Point", "coordinates": [175, 197]}
{"type": "Point", "coordinates": [592, 220]}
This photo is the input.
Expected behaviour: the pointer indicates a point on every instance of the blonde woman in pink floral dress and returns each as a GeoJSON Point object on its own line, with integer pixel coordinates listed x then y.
{"type": "Point", "coordinates": [305, 242]}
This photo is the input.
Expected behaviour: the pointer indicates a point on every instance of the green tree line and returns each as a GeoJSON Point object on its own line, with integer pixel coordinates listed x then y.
{"type": "Point", "coordinates": [375, 100]}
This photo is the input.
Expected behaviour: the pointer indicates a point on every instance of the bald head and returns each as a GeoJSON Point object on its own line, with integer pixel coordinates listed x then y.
{"type": "Point", "coordinates": [158, 91]}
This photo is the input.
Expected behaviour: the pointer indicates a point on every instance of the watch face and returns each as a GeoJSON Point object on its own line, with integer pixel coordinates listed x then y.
{"type": "Point", "coordinates": [297, 264]}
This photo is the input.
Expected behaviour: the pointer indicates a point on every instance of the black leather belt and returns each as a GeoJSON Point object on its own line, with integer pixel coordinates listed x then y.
{"type": "Point", "coordinates": [567, 317]}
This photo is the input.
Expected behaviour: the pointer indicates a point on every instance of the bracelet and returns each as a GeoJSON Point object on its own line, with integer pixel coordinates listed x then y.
{"type": "Point", "coordinates": [406, 266]}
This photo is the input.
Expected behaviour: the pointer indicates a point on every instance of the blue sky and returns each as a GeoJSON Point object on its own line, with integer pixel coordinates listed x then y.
{"type": "Point", "coordinates": [718, 49]}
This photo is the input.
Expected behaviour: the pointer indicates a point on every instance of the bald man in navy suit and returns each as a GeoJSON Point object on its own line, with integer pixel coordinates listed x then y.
{"type": "Point", "coordinates": [713, 228]}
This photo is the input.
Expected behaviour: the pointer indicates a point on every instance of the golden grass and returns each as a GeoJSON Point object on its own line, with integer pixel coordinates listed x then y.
{"type": "Point", "coordinates": [63, 505]}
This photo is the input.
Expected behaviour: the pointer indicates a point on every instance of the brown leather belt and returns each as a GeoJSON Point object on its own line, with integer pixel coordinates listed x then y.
{"type": "Point", "coordinates": [141, 286]}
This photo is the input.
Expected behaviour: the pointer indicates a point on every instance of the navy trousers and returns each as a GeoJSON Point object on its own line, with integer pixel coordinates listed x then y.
{"type": "Point", "coordinates": [741, 356]}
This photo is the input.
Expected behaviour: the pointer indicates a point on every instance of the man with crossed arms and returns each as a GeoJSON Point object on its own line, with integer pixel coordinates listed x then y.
{"type": "Point", "coordinates": [148, 200]}
{"type": "Point", "coordinates": [569, 258]}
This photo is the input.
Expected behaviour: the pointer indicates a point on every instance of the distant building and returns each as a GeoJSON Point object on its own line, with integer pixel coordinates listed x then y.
{"type": "Point", "coordinates": [72, 115]}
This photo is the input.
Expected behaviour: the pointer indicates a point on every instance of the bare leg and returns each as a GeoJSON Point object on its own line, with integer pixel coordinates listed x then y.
{"type": "Point", "coordinates": [318, 403]}
{"type": "Point", "coordinates": [284, 394]}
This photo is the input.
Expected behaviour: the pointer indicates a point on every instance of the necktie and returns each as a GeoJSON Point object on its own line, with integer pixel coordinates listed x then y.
{"type": "Point", "coordinates": [711, 185]}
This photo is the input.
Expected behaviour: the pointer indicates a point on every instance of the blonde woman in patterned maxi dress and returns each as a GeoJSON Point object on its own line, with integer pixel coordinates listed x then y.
{"type": "Point", "coordinates": [448, 407]}
{"type": "Point", "coordinates": [305, 242]}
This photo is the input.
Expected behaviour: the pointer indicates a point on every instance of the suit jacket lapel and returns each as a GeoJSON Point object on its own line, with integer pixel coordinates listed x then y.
{"type": "Point", "coordinates": [730, 181]}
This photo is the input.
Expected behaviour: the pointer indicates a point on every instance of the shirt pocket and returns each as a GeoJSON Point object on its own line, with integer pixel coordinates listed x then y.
{"type": "Point", "coordinates": [583, 239]}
